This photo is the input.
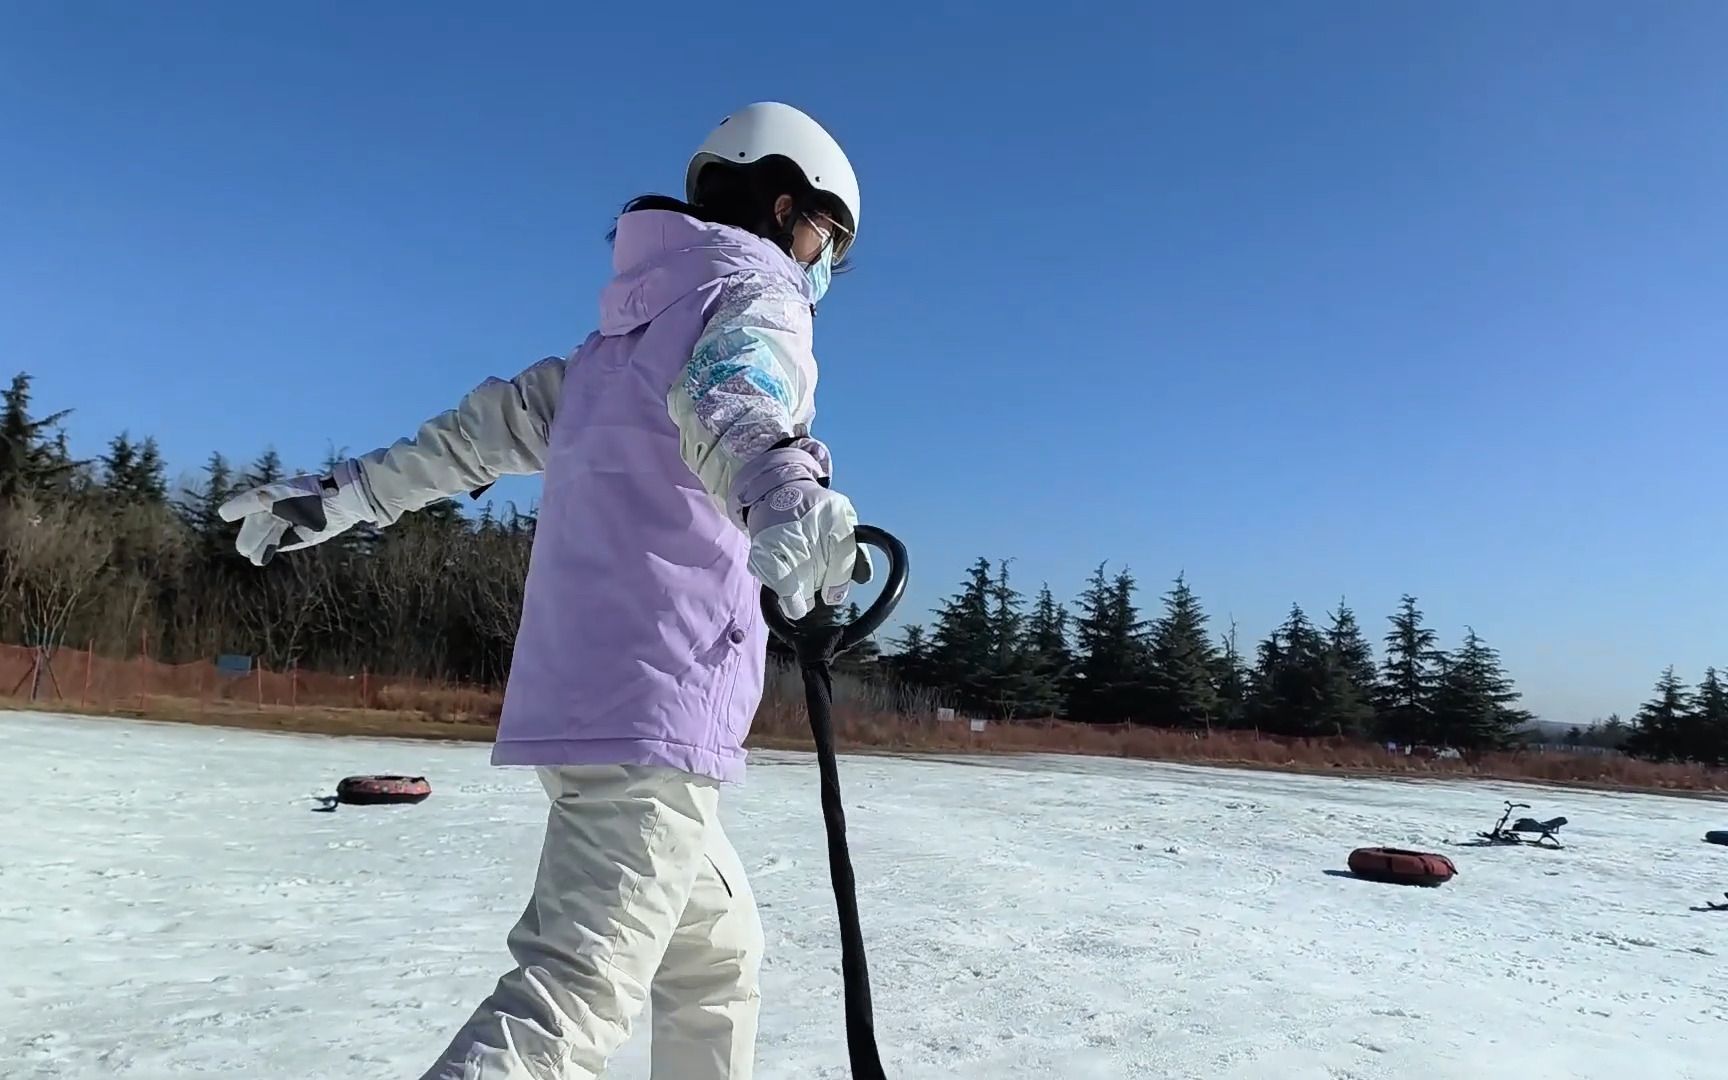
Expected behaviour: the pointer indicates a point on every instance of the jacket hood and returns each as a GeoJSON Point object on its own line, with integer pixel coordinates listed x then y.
{"type": "Point", "coordinates": [659, 257]}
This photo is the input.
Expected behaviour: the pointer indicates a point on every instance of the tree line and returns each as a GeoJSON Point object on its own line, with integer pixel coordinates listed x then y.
{"type": "Point", "coordinates": [104, 551]}
{"type": "Point", "coordinates": [992, 652]}
{"type": "Point", "coordinates": [1108, 663]}
{"type": "Point", "coordinates": [1680, 723]}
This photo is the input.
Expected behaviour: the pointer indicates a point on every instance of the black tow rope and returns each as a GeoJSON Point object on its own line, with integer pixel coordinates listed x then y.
{"type": "Point", "coordinates": [816, 640]}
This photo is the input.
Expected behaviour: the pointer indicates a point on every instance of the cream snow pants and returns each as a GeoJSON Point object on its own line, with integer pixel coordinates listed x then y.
{"type": "Point", "coordinates": [639, 894]}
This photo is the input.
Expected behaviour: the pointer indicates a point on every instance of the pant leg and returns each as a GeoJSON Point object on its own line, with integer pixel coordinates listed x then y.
{"type": "Point", "coordinates": [707, 992]}
{"type": "Point", "coordinates": [623, 848]}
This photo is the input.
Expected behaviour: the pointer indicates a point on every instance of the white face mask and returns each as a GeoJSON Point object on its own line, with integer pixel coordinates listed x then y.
{"type": "Point", "coordinates": [821, 273]}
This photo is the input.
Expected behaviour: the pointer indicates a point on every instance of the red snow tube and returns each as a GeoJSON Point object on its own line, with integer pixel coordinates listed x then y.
{"type": "Point", "coordinates": [1398, 867]}
{"type": "Point", "coordinates": [374, 790]}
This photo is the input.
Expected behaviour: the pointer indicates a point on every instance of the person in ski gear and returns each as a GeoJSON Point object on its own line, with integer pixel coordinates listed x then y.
{"type": "Point", "coordinates": [680, 475]}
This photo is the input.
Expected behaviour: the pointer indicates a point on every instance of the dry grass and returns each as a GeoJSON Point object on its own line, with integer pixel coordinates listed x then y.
{"type": "Point", "coordinates": [867, 718]}
{"type": "Point", "coordinates": [442, 704]}
{"type": "Point", "coordinates": [301, 720]}
{"type": "Point", "coordinates": [783, 725]}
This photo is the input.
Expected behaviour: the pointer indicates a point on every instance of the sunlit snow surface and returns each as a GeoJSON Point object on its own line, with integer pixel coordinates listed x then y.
{"type": "Point", "coordinates": [169, 907]}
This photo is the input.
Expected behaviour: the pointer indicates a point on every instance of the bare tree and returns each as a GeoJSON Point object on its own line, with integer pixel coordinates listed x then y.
{"type": "Point", "coordinates": [412, 578]}
{"type": "Point", "coordinates": [148, 558]}
{"type": "Point", "coordinates": [496, 573]}
{"type": "Point", "coordinates": [282, 607]}
{"type": "Point", "coordinates": [52, 558]}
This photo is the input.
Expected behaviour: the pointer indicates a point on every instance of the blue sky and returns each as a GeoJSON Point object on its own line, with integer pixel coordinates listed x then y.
{"type": "Point", "coordinates": [1303, 300]}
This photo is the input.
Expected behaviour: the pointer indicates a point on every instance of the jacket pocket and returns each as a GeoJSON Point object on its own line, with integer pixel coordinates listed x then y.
{"type": "Point", "coordinates": [724, 690]}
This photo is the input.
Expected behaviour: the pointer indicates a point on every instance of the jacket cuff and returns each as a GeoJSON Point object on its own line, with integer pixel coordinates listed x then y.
{"type": "Point", "coordinates": [770, 470]}
{"type": "Point", "coordinates": [351, 474]}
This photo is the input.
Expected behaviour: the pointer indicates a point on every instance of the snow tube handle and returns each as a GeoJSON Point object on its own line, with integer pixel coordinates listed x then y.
{"type": "Point", "coordinates": [814, 629]}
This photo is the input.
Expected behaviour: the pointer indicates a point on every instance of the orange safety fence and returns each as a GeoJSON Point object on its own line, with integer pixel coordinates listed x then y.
{"type": "Point", "coordinates": [80, 678]}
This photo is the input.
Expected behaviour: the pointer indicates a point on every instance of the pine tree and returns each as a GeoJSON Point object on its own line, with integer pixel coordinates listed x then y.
{"type": "Point", "coordinates": [215, 537]}
{"type": "Point", "coordinates": [1012, 683]}
{"type": "Point", "coordinates": [1047, 642]}
{"type": "Point", "coordinates": [912, 660]}
{"type": "Point", "coordinates": [1182, 663]}
{"type": "Point", "coordinates": [1347, 707]}
{"type": "Point", "coordinates": [863, 658]}
{"type": "Point", "coordinates": [1474, 705]}
{"type": "Point", "coordinates": [1110, 678]}
{"type": "Point", "coordinates": [979, 651]}
{"type": "Point", "coordinates": [1614, 733]}
{"type": "Point", "coordinates": [150, 473]}
{"type": "Point", "coordinates": [1292, 680]}
{"type": "Point", "coordinates": [118, 466]}
{"type": "Point", "coordinates": [1035, 690]}
{"type": "Point", "coordinates": [1410, 677]}
{"type": "Point", "coordinates": [1089, 634]}
{"type": "Point", "coordinates": [1047, 634]}
{"type": "Point", "coordinates": [134, 473]}
{"type": "Point", "coordinates": [29, 459]}
{"type": "Point", "coordinates": [1351, 651]}
{"type": "Point", "coordinates": [963, 646]}
{"type": "Point", "coordinates": [866, 652]}
{"type": "Point", "coordinates": [1264, 709]}
{"type": "Point", "coordinates": [267, 469]}
{"type": "Point", "coordinates": [1134, 686]}
{"type": "Point", "coordinates": [1232, 680]}
{"type": "Point", "coordinates": [961, 640]}
{"type": "Point", "coordinates": [1659, 729]}
{"type": "Point", "coordinates": [1708, 722]}
{"type": "Point", "coordinates": [1006, 619]}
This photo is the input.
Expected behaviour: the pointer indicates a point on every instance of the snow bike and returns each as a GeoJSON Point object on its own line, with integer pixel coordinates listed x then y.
{"type": "Point", "coordinates": [1544, 831]}
{"type": "Point", "coordinates": [816, 640]}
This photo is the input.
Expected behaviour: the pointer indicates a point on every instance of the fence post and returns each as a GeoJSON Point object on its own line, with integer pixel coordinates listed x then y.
{"type": "Point", "coordinates": [89, 662]}
{"type": "Point", "coordinates": [258, 669]}
{"type": "Point", "coordinates": [143, 667]}
{"type": "Point", "coordinates": [294, 683]}
{"type": "Point", "coordinates": [36, 656]}
{"type": "Point", "coordinates": [365, 693]}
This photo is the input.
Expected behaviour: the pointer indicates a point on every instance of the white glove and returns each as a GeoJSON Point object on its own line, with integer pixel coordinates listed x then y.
{"type": "Point", "coordinates": [298, 512]}
{"type": "Point", "coordinates": [864, 570]}
{"type": "Point", "coordinates": [803, 542]}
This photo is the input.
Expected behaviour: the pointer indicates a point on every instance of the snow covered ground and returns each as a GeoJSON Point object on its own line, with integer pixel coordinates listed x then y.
{"type": "Point", "coordinates": [170, 908]}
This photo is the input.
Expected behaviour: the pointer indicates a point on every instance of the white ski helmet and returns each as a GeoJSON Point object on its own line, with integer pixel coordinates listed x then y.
{"type": "Point", "coordinates": [768, 127]}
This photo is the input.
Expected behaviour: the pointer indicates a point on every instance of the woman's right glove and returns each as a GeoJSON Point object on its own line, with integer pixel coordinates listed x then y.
{"type": "Point", "coordinates": [803, 535]}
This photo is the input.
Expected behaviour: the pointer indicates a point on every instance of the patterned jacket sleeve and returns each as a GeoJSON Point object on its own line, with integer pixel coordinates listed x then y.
{"type": "Point", "coordinates": [750, 383]}
{"type": "Point", "coordinates": [499, 428]}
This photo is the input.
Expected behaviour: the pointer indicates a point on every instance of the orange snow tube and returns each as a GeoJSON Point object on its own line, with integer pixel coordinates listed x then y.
{"type": "Point", "coordinates": [376, 790]}
{"type": "Point", "coordinates": [1398, 867]}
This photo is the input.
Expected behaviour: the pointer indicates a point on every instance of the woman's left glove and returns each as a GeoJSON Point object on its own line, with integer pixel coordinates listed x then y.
{"type": "Point", "coordinates": [298, 512]}
{"type": "Point", "coordinates": [803, 534]}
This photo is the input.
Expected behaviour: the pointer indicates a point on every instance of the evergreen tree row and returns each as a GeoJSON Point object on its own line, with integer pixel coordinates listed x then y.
{"type": "Point", "coordinates": [1682, 724]}
{"type": "Point", "coordinates": [992, 654]}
